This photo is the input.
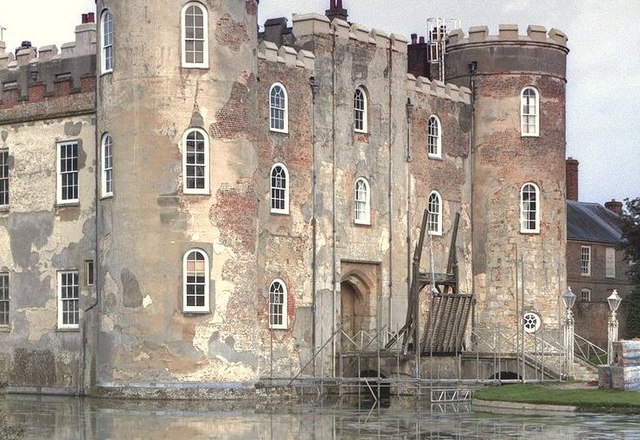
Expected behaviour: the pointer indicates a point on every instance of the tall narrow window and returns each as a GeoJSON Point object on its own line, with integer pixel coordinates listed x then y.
{"type": "Point", "coordinates": [195, 274]}
{"type": "Point", "coordinates": [585, 295]}
{"type": "Point", "coordinates": [362, 211]}
{"type": "Point", "coordinates": [278, 305]}
{"type": "Point", "coordinates": [195, 161]}
{"type": "Point", "coordinates": [4, 299]}
{"type": "Point", "coordinates": [195, 38]}
{"type": "Point", "coordinates": [106, 40]}
{"type": "Point", "coordinates": [529, 209]}
{"type": "Point", "coordinates": [585, 261]}
{"type": "Point", "coordinates": [107, 166]}
{"type": "Point", "coordinates": [434, 216]}
{"type": "Point", "coordinates": [278, 109]}
{"type": "Point", "coordinates": [529, 111]}
{"type": "Point", "coordinates": [68, 172]}
{"type": "Point", "coordinates": [279, 189]}
{"type": "Point", "coordinates": [610, 262]}
{"type": "Point", "coordinates": [4, 178]}
{"type": "Point", "coordinates": [68, 300]}
{"type": "Point", "coordinates": [360, 110]}
{"type": "Point", "coordinates": [434, 139]}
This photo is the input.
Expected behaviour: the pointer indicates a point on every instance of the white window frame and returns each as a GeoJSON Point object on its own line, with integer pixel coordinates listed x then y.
{"type": "Point", "coordinates": [434, 213]}
{"type": "Point", "coordinates": [4, 178]}
{"type": "Point", "coordinates": [106, 162]}
{"type": "Point", "coordinates": [585, 295]}
{"type": "Point", "coordinates": [526, 210]}
{"type": "Point", "coordinates": [360, 110]}
{"type": "Point", "coordinates": [610, 262]}
{"type": "Point", "coordinates": [5, 300]}
{"type": "Point", "coordinates": [434, 137]}
{"type": "Point", "coordinates": [279, 189]}
{"type": "Point", "coordinates": [106, 41]}
{"type": "Point", "coordinates": [200, 284]}
{"type": "Point", "coordinates": [68, 299]}
{"type": "Point", "coordinates": [585, 261]}
{"type": "Point", "coordinates": [278, 316]}
{"type": "Point", "coordinates": [204, 39]}
{"type": "Point", "coordinates": [190, 164]}
{"type": "Point", "coordinates": [278, 108]}
{"type": "Point", "coordinates": [531, 322]}
{"type": "Point", "coordinates": [529, 112]}
{"type": "Point", "coordinates": [68, 173]}
{"type": "Point", "coordinates": [362, 202]}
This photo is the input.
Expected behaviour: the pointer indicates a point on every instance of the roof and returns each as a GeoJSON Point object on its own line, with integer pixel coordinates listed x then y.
{"type": "Point", "coordinates": [592, 222]}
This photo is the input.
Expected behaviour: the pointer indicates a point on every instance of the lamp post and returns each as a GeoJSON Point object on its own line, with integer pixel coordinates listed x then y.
{"type": "Point", "coordinates": [568, 299]}
{"type": "Point", "coordinates": [614, 301]}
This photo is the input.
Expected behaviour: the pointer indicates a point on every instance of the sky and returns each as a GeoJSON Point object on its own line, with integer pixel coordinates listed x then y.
{"type": "Point", "coordinates": [603, 88]}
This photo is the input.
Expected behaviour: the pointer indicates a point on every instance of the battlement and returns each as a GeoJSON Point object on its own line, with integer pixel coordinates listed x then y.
{"type": "Point", "coordinates": [286, 55]}
{"type": "Point", "coordinates": [507, 33]}
{"type": "Point", "coordinates": [307, 25]}
{"type": "Point", "coordinates": [438, 89]}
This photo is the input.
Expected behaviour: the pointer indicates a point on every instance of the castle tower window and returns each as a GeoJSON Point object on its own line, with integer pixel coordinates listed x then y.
{"type": "Point", "coordinates": [4, 299]}
{"type": "Point", "coordinates": [195, 38]}
{"type": "Point", "coordinates": [529, 113]}
{"type": "Point", "coordinates": [279, 189]}
{"type": "Point", "coordinates": [529, 209]}
{"type": "Point", "coordinates": [107, 166]}
{"type": "Point", "coordinates": [68, 300]}
{"type": "Point", "coordinates": [434, 216]}
{"type": "Point", "coordinates": [195, 161]}
{"type": "Point", "coordinates": [278, 109]}
{"type": "Point", "coordinates": [585, 295]}
{"type": "Point", "coordinates": [195, 275]}
{"type": "Point", "coordinates": [362, 211]}
{"type": "Point", "coordinates": [434, 138]}
{"type": "Point", "coordinates": [585, 261]}
{"type": "Point", "coordinates": [278, 305]}
{"type": "Point", "coordinates": [4, 178]}
{"type": "Point", "coordinates": [360, 110]}
{"type": "Point", "coordinates": [106, 40]}
{"type": "Point", "coordinates": [67, 173]}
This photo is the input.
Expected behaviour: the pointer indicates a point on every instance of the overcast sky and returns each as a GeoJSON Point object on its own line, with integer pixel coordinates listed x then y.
{"type": "Point", "coordinates": [603, 90]}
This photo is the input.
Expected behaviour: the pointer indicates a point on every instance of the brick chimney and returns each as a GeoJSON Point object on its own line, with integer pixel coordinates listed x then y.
{"type": "Point", "coordinates": [88, 18]}
{"type": "Point", "coordinates": [572, 179]}
{"type": "Point", "coordinates": [418, 57]}
{"type": "Point", "coordinates": [336, 11]}
{"type": "Point", "coordinates": [614, 206]}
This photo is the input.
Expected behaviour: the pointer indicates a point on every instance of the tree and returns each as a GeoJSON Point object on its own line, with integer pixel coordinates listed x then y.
{"type": "Point", "coordinates": [631, 234]}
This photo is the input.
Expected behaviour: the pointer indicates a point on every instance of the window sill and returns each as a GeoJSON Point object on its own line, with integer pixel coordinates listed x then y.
{"type": "Point", "coordinates": [273, 130]}
{"type": "Point", "coordinates": [68, 329]}
{"type": "Point", "coordinates": [192, 193]}
{"type": "Point", "coordinates": [196, 312]}
{"type": "Point", "coordinates": [106, 72]}
{"type": "Point", "coordinates": [585, 275]}
{"type": "Point", "coordinates": [195, 66]}
{"type": "Point", "coordinates": [5, 329]}
{"type": "Point", "coordinates": [68, 204]}
{"type": "Point", "coordinates": [106, 196]}
{"type": "Point", "coordinates": [434, 156]}
{"type": "Point", "coordinates": [529, 135]}
{"type": "Point", "coordinates": [279, 212]}
{"type": "Point", "coordinates": [4, 208]}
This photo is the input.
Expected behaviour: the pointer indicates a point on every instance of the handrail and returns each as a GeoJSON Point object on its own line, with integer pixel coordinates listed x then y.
{"type": "Point", "coordinates": [592, 351]}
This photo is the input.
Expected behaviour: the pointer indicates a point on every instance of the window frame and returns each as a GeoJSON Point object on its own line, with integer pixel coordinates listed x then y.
{"type": "Point", "coordinates": [585, 261]}
{"type": "Point", "coordinates": [525, 210]}
{"type": "Point", "coordinates": [274, 188]}
{"type": "Point", "coordinates": [362, 202]}
{"type": "Point", "coordinates": [106, 42]}
{"type": "Point", "coordinates": [278, 113]}
{"type": "Point", "coordinates": [434, 139]}
{"type": "Point", "coordinates": [528, 129]}
{"type": "Point", "coordinates": [4, 179]}
{"type": "Point", "coordinates": [60, 174]}
{"type": "Point", "coordinates": [106, 165]}
{"type": "Point", "coordinates": [434, 218]}
{"type": "Point", "coordinates": [360, 110]}
{"type": "Point", "coordinates": [75, 300]}
{"type": "Point", "coordinates": [186, 308]}
{"type": "Point", "coordinates": [278, 309]}
{"type": "Point", "coordinates": [204, 40]}
{"type": "Point", "coordinates": [585, 295]}
{"type": "Point", "coordinates": [186, 165]}
{"type": "Point", "coordinates": [610, 262]}
{"type": "Point", "coordinates": [5, 300]}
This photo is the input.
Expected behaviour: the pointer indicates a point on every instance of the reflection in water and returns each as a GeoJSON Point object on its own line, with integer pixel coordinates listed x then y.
{"type": "Point", "coordinates": [47, 417]}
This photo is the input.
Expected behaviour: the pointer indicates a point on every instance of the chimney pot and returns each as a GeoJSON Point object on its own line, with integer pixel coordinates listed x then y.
{"type": "Point", "coordinates": [421, 40]}
{"type": "Point", "coordinates": [572, 179]}
{"type": "Point", "coordinates": [414, 38]}
{"type": "Point", "coordinates": [614, 206]}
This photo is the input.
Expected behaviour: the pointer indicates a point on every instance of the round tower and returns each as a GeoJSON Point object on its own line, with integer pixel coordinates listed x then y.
{"type": "Point", "coordinates": [176, 206]}
{"type": "Point", "coordinates": [518, 168]}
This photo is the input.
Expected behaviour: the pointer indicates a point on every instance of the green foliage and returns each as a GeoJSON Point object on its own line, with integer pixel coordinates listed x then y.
{"type": "Point", "coordinates": [631, 233]}
{"type": "Point", "coordinates": [632, 326]}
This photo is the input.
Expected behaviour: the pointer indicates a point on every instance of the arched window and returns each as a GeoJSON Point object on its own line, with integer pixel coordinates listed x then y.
{"type": "Point", "coordinates": [106, 42]}
{"type": "Point", "coordinates": [434, 216]}
{"type": "Point", "coordinates": [195, 161]}
{"type": "Point", "coordinates": [362, 211]}
{"type": "Point", "coordinates": [278, 305]}
{"type": "Point", "coordinates": [278, 109]}
{"type": "Point", "coordinates": [195, 36]}
{"type": "Point", "coordinates": [360, 110]}
{"type": "Point", "coordinates": [107, 165]}
{"type": "Point", "coordinates": [529, 209]}
{"type": "Point", "coordinates": [529, 111]}
{"type": "Point", "coordinates": [434, 137]}
{"type": "Point", "coordinates": [195, 276]}
{"type": "Point", "coordinates": [279, 189]}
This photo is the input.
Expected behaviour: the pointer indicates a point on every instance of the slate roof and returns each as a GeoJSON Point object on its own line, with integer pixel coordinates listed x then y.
{"type": "Point", "coordinates": [592, 222]}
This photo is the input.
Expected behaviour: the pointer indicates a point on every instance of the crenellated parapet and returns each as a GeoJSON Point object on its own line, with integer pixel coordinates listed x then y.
{"type": "Point", "coordinates": [438, 89]}
{"type": "Point", "coordinates": [286, 55]}
{"type": "Point", "coordinates": [507, 33]}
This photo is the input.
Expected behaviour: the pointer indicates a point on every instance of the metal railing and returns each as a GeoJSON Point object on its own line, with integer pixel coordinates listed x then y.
{"type": "Point", "coordinates": [589, 352]}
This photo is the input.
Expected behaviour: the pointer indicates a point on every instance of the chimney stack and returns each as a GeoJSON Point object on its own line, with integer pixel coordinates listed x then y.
{"type": "Point", "coordinates": [614, 206]}
{"type": "Point", "coordinates": [572, 179]}
{"type": "Point", "coordinates": [336, 11]}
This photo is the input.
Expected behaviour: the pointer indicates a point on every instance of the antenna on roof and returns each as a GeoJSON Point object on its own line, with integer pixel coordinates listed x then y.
{"type": "Point", "coordinates": [438, 28]}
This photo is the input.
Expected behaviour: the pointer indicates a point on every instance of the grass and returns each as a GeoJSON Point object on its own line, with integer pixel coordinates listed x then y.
{"type": "Point", "coordinates": [584, 399]}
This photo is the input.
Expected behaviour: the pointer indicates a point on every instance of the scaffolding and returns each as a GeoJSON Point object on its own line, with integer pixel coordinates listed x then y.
{"type": "Point", "coordinates": [438, 28]}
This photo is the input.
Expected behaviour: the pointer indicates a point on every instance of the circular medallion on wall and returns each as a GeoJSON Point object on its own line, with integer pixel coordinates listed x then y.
{"type": "Point", "coordinates": [531, 322]}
